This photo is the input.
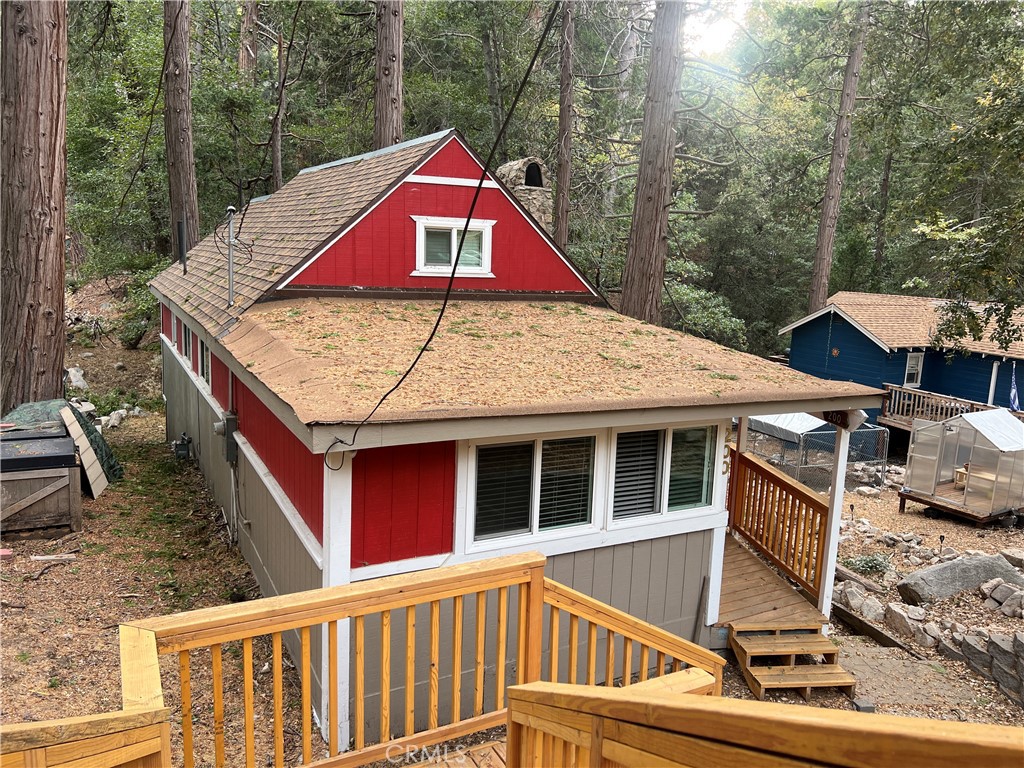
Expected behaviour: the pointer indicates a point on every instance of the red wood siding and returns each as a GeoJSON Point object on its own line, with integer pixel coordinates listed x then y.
{"type": "Point", "coordinates": [219, 381]}
{"type": "Point", "coordinates": [165, 320]}
{"type": "Point", "coordinates": [299, 472]}
{"type": "Point", "coordinates": [380, 251]}
{"type": "Point", "coordinates": [403, 502]}
{"type": "Point", "coordinates": [180, 337]}
{"type": "Point", "coordinates": [195, 352]}
{"type": "Point", "coordinates": [451, 160]}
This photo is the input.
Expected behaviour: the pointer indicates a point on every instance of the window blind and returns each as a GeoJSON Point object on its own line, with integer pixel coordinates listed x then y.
{"type": "Point", "coordinates": [637, 465]}
{"type": "Point", "coordinates": [690, 467]}
{"type": "Point", "coordinates": [504, 486]}
{"type": "Point", "coordinates": [472, 248]}
{"type": "Point", "coordinates": [566, 481]}
{"type": "Point", "coordinates": [437, 245]}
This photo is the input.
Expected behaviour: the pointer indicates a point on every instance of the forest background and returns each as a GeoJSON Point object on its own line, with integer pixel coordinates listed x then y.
{"type": "Point", "coordinates": [932, 202]}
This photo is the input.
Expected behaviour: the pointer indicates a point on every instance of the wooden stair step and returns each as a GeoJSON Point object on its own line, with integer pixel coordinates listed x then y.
{"type": "Point", "coordinates": [801, 677]}
{"type": "Point", "coordinates": [768, 625]}
{"type": "Point", "coordinates": [785, 645]}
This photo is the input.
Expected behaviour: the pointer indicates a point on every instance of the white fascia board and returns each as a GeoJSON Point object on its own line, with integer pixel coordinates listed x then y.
{"type": "Point", "coordinates": [488, 183]}
{"type": "Point", "coordinates": [842, 314]}
{"type": "Point", "coordinates": [374, 435]}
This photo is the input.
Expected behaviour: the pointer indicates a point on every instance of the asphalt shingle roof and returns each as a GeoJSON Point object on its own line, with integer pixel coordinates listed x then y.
{"type": "Point", "coordinates": [280, 231]}
{"type": "Point", "coordinates": [907, 321]}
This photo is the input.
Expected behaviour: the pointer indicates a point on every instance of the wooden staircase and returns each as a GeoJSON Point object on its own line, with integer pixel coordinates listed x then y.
{"type": "Point", "coordinates": [771, 655]}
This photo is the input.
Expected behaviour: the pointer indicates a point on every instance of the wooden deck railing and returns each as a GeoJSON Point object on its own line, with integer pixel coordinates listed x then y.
{"type": "Point", "coordinates": [498, 606]}
{"type": "Point", "coordinates": [784, 520]}
{"type": "Point", "coordinates": [658, 651]}
{"type": "Point", "coordinates": [139, 739]}
{"type": "Point", "coordinates": [552, 725]}
{"type": "Point", "coordinates": [902, 405]}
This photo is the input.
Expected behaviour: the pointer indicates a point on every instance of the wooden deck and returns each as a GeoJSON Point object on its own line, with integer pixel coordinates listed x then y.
{"type": "Point", "coordinates": [756, 597]}
{"type": "Point", "coordinates": [489, 755]}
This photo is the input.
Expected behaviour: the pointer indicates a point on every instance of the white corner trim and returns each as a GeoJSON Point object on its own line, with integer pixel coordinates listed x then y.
{"type": "Point", "coordinates": [337, 549]}
{"type": "Point", "coordinates": [715, 576]}
{"type": "Point", "coordinates": [449, 181]}
{"type": "Point", "coordinates": [400, 566]}
{"type": "Point", "coordinates": [306, 537]}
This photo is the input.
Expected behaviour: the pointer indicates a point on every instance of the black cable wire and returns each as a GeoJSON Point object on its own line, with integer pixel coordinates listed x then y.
{"type": "Point", "coordinates": [462, 239]}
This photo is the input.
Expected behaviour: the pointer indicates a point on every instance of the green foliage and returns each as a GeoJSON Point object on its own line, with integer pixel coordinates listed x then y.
{"type": "Point", "coordinates": [877, 562]}
{"type": "Point", "coordinates": [932, 201]}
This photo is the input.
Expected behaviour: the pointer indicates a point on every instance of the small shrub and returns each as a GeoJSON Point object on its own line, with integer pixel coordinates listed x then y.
{"type": "Point", "coordinates": [875, 563]}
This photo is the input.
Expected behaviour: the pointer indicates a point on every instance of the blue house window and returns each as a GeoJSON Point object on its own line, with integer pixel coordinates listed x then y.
{"type": "Point", "coordinates": [915, 362]}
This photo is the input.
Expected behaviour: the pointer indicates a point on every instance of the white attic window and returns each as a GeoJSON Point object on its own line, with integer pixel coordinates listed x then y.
{"type": "Point", "coordinates": [437, 242]}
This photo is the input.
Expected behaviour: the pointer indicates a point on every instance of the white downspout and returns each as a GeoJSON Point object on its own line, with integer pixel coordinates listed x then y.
{"type": "Point", "coordinates": [992, 383]}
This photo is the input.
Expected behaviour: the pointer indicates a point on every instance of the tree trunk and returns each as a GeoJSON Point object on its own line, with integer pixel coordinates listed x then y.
{"type": "Point", "coordinates": [883, 209]}
{"type": "Point", "coordinates": [248, 40]}
{"type": "Point", "coordinates": [277, 126]}
{"type": "Point", "coordinates": [644, 274]}
{"type": "Point", "coordinates": [33, 166]}
{"type": "Point", "coordinates": [837, 165]}
{"type": "Point", "coordinates": [181, 165]}
{"type": "Point", "coordinates": [565, 115]}
{"type": "Point", "coordinates": [497, 109]}
{"type": "Point", "coordinates": [387, 94]}
{"type": "Point", "coordinates": [627, 60]}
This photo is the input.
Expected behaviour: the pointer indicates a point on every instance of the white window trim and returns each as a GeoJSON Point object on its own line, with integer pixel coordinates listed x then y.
{"type": "Point", "coordinates": [186, 343]}
{"type": "Point", "coordinates": [919, 356]}
{"type": "Point", "coordinates": [602, 529]}
{"type": "Point", "coordinates": [456, 226]}
{"type": "Point", "coordinates": [205, 362]}
{"type": "Point", "coordinates": [663, 482]}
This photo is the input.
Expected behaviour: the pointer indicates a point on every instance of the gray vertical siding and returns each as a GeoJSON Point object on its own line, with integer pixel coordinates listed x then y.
{"type": "Point", "coordinates": [659, 581]}
{"type": "Point", "coordinates": [276, 555]}
{"type": "Point", "coordinates": [191, 413]}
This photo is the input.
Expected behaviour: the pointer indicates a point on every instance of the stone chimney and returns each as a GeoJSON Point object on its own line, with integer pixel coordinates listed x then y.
{"type": "Point", "coordinates": [530, 183]}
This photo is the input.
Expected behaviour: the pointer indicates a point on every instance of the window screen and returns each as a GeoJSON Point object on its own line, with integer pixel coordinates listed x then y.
{"type": "Point", "coordinates": [637, 467]}
{"type": "Point", "coordinates": [437, 247]}
{"type": "Point", "coordinates": [690, 468]}
{"type": "Point", "coordinates": [566, 481]}
{"type": "Point", "coordinates": [504, 486]}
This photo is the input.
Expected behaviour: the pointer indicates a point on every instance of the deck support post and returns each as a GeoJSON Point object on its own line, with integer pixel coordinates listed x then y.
{"type": "Point", "coordinates": [742, 428]}
{"type": "Point", "coordinates": [830, 547]}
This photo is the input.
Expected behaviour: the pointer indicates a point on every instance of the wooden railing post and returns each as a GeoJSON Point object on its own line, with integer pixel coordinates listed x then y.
{"type": "Point", "coordinates": [534, 623]}
{"type": "Point", "coordinates": [140, 669]}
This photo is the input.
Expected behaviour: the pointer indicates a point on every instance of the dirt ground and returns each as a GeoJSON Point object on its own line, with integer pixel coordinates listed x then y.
{"type": "Point", "coordinates": [152, 544]}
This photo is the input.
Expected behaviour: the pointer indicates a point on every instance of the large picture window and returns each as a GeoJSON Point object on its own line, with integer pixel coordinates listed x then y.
{"type": "Point", "coordinates": [437, 243]}
{"type": "Point", "coordinates": [533, 486]}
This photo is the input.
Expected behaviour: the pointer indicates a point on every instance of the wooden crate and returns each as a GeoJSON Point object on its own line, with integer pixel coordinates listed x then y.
{"type": "Point", "coordinates": [33, 502]}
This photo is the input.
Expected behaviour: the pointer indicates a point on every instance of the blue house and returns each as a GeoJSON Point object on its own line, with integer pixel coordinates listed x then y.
{"type": "Point", "coordinates": [885, 341]}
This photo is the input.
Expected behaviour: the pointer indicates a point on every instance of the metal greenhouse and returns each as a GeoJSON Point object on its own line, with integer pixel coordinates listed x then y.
{"type": "Point", "coordinates": [971, 465]}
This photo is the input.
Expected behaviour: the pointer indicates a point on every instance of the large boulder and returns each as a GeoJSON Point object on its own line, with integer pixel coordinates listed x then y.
{"type": "Point", "coordinates": [943, 580]}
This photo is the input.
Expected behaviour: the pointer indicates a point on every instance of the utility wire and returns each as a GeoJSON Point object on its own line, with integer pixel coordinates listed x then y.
{"type": "Point", "coordinates": [462, 239]}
